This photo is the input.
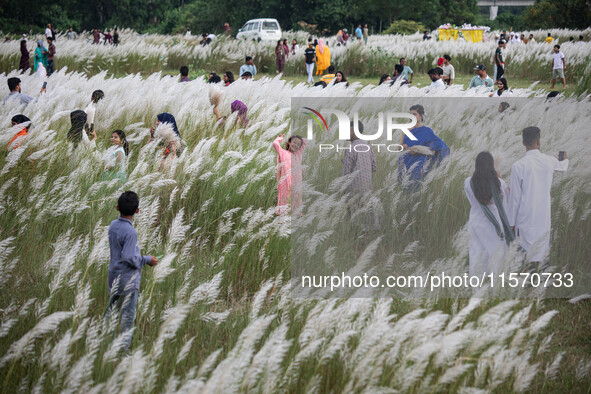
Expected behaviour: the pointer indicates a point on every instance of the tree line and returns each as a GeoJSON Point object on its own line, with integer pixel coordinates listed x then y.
{"type": "Point", "coordinates": [319, 16]}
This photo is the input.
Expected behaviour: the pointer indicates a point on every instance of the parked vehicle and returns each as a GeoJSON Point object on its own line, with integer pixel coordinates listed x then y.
{"type": "Point", "coordinates": [260, 29]}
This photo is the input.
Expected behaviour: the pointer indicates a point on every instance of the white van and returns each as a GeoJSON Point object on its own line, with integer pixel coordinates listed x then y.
{"type": "Point", "coordinates": [260, 29]}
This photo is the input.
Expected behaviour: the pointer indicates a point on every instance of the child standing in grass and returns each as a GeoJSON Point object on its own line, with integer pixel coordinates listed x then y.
{"type": "Point", "coordinates": [116, 155]}
{"type": "Point", "coordinates": [558, 67]}
{"type": "Point", "coordinates": [289, 171]}
{"type": "Point", "coordinates": [125, 266]}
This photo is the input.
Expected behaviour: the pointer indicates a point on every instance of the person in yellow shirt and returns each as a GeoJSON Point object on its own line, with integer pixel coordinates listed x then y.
{"type": "Point", "coordinates": [322, 57]}
{"type": "Point", "coordinates": [328, 77]}
{"type": "Point", "coordinates": [549, 39]}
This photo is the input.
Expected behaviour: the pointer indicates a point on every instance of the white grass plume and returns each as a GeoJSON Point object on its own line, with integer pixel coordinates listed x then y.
{"type": "Point", "coordinates": [24, 346]}
{"type": "Point", "coordinates": [164, 268]}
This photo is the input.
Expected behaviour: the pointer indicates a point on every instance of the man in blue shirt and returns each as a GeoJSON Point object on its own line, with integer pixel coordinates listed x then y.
{"type": "Point", "coordinates": [14, 84]}
{"type": "Point", "coordinates": [416, 162]}
{"type": "Point", "coordinates": [358, 32]}
{"type": "Point", "coordinates": [406, 71]}
{"type": "Point", "coordinates": [248, 66]}
{"type": "Point", "coordinates": [125, 266]}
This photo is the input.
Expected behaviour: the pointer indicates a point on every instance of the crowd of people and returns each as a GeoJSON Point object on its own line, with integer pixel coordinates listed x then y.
{"type": "Point", "coordinates": [317, 55]}
{"type": "Point", "coordinates": [44, 55]}
{"type": "Point", "coordinates": [107, 38]}
{"type": "Point", "coordinates": [499, 213]}
{"type": "Point", "coordinates": [83, 132]}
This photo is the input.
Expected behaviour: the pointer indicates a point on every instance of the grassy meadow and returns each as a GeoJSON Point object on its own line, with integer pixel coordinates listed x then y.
{"type": "Point", "coordinates": [216, 314]}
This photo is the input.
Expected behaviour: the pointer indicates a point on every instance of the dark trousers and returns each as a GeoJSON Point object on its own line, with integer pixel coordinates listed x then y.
{"type": "Point", "coordinates": [500, 71]}
{"type": "Point", "coordinates": [49, 67]}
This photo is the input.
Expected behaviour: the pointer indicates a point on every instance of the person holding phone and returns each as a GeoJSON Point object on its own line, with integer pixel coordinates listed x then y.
{"type": "Point", "coordinates": [529, 201]}
{"type": "Point", "coordinates": [14, 85]}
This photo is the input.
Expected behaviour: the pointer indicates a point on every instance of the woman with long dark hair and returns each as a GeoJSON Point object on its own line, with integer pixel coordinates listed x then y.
{"type": "Point", "coordinates": [340, 78]}
{"type": "Point", "coordinates": [289, 173]}
{"type": "Point", "coordinates": [228, 78]}
{"type": "Point", "coordinates": [503, 89]}
{"type": "Point", "coordinates": [286, 48]}
{"type": "Point", "coordinates": [25, 62]}
{"type": "Point", "coordinates": [77, 132]}
{"type": "Point", "coordinates": [489, 228]}
{"type": "Point", "coordinates": [280, 55]}
{"type": "Point", "coordinates": [116, 157]}
{"type": "Point", "coordinates": [384, 78]}
{"type": "Point", "coordinates": [90, 110]}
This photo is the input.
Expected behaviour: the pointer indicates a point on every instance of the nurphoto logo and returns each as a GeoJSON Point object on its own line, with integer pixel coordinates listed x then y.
{"type": "Point", "coordinates": [389, 122]}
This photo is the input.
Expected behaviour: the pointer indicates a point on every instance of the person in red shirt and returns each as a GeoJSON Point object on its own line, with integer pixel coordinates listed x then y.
{"type": "Point", "coordinates": [17, 120]}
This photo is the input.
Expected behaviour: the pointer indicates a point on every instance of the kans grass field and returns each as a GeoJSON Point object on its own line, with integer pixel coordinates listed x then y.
{"type": "Point", "coordinates": [216, 314]}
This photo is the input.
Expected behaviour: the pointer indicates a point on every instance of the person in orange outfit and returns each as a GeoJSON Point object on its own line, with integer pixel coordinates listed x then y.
{"type": "Point", "coordinates": [322, 57]}
{"type": "Point", "coordinates": [17, 120]}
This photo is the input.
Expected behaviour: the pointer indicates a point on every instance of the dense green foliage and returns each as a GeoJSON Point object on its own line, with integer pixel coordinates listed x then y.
{"type": "Point", "coordinates": [173, 16]}
{"type": "Point", "coordinates": [572, 14]}
{"type": "Point", "coordinates": [404, 27]}
{"type": "Point", "coordinates": [569, 13]}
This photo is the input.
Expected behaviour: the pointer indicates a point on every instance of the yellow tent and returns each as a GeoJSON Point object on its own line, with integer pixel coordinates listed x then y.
{"type": "Point", "coordinates": [448, 34]}
{"type": "Point", "coordinates": [473, 35]}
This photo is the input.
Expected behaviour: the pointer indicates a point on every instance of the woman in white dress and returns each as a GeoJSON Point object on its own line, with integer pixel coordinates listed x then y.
{"type": "Point", "coordinates": [489, 228]}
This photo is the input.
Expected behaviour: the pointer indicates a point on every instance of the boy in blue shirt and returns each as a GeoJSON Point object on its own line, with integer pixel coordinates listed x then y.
{"type": "Point", "coordinates": [125, 266]}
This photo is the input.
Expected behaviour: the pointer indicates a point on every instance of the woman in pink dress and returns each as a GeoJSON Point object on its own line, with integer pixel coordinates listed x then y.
{"type": "Point", "coordinates": [289, 172]}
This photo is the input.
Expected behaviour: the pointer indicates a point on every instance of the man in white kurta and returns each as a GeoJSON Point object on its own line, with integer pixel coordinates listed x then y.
{"type": "Point", "coordinates": [529, 199]}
